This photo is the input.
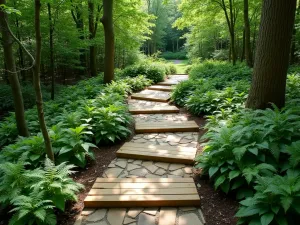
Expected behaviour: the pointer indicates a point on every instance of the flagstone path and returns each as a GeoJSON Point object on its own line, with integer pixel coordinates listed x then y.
{"type": "Point", "coordinates": [145, 169]}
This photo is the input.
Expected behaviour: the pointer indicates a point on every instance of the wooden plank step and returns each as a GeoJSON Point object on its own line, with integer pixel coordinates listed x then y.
{"type": "Point", "coordinates": [150, 151]}
{"type": "Point", "coordinates": [153, 110]}
{"type": "Point", "coordinates": [153, 192]}
{"type": "Point", "coordinates": [167, 126]}
{"type": "Point", "coordinates": [151, 95]}
{"type": "Point", "coordinates": [168, 83]}
{"type": "Point", "coordinates": [161, 88]}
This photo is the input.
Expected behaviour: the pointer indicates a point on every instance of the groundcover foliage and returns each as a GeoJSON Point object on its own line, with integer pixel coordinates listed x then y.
{"type": "Point", "coordinates": [82, 116]}
{"type": "Point", "coordinates": [254, 154]}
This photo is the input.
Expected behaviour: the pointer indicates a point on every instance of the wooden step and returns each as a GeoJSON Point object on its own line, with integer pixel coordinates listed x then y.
{"type": "Point", "coordinates": [161, 88]}
{"type": "Point", "coordinates": [150, 151]}
{"type": "Point", "coordinates": [153, 110]}
{"type": "Point", "coordinates": [166, 126]}
{"type": "Point", "coordinates": [151, 95]}
{"type": "Point", "coordinates": [142, 192]}
{"type": "Point", "coordinates": [168, 83]}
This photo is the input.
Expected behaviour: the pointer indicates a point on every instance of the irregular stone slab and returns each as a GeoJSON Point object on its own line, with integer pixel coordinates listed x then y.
{"type": "Point", "coordinates": [132, 167]}
{"type": "Point", "coordinates": [145, 219]}
{"type": "Point", "coordinates": [139, 172]}
{"type": "Point", "coordinates": [124, 174]}
{"type": "Point", "coordinates": [188, 170]}
{"type": "Point", "coordinates": [176, 166]}
{"type": "Point", "coordinates": [121, 164]}
{"type": "Point", "coordinates": [116, 216]}
{"type": "Point", "coordinates": [173, 138]}
{"type": "Point", "coordinates": [151, 168]}
{"type": "Point", "coordinates": [128, 220]}
{"type": "Point", "coordinates": [185, 141]}
{"type": "Point", "coordinates": [201, 216]}
{"type": "Point", "coordinates": [186, 209]}
{"type": "Point", "coordinates": [113, 172]}
{"type": "Point", "coordinates": [147, 163]}
{"type": "Point", "coordinates": [97, 215]}
{"type": "Point", "coordinates": [162, 165]}
{"type": "Point", "coordinates": [167, 216]}
{"type": "Point", "coordinates": [177, 172]}
{"type": "Point", "coordinates": [87, 211]}
{"type": "Point", "coordinates": [151, 211]}
{"type": "Point", "coordinates": [134, 212]}
{"type": "Point", "coordinates": [189, 219]}
{"type": "Point", "coordinates": [160, 172]}
{"type": "Point", "coordinates": [111, 165]}
{"type": "Point", "coordinates": [98, 223]}
{"type": "Point", "coordinates": [78, 220]}
{"type": "Point", "coordinates": [137, 162]}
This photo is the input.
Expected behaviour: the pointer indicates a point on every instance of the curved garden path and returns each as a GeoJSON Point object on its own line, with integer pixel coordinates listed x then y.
{"type": "Point", "coordinates": [135, 168]}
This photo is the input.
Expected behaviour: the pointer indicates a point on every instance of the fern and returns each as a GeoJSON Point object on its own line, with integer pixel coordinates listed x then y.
{"type": "Point", "coordinates": [13, 179]}
{"type": "Point", "coordinates": [55, 182]}
{"type": "Point", "coordinates": [32, 209]}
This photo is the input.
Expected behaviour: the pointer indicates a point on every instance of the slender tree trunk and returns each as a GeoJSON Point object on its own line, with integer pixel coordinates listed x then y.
{"type": "Point", "coordinates": [51, 69]}
{"type": "Point", "coordinates": [36, 81]}
{"type": "Point", "coordinates": [248, 53]}
{"type": "Point", "coordinates": [243, 48]}
{"type": "Point", "coordinates": [107, 21]}
{"type": "Point", "coordinates": [10, 63]}
{"type": "Point", "coordinates": [272, 54]}
{"type": "Point", "coordinates": [93, 63]}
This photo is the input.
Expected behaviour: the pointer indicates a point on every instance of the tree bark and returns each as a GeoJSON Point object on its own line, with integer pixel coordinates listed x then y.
{"type": "Point", "coordinates": [92, 30]}
{"type": "Point", "coordinates": [36, 81]}
{"type": "Point", "coordinates": [10, 63]}
{"type": "Point", "coordinates": [107, 21]}
{"type": "Point", "coordinates": [51, 47]}
{"type": "Point", "coordinates": [248, 53]}
{"type": "Point", "coordinates": [272, 54]}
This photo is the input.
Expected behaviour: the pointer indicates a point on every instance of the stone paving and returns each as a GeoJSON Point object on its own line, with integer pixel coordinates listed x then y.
{"type": "Point", "coordinates": [126, 168]}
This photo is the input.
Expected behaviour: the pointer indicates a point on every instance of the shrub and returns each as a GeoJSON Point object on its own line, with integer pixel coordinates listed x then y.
{"type": "Point", "coordinates": [153, 71]}
{"type": "Point", "coordinates": [137, 83]}
{"type": "Point", "coordinates": [173, 69]}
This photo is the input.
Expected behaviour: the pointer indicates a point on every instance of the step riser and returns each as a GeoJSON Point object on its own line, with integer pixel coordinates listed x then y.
{"type": "Point", "coordinates": [118, 204]}
{"type": "Point", "coordinates": [155, 158]}
{"type": "Point", "coordinates": [164, 130]}
{"type": "Point", "coordinates": [149, 99]}
{"type": "Point", "coordinates": [135, 112]}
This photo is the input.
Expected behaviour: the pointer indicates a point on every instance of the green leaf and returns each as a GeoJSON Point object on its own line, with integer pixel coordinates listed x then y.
{"type": "Point", "coordinates": [253, 151]}
{"type": "Point", "coordinates": [212, 171]}
{"type": "Point", "coordinates": [281, 220]}
{"type": "Point", "coordinates": [219, 181]}
{"type": "Point", "coordinates": [267, 218]}
{"type": "Point", "coordinates": [233, 174]}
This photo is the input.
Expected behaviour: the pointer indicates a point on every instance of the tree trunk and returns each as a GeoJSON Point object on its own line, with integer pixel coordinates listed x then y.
{"type": "Point", "coordinates": [272, 54]}
{"type": "Point", "coordinates": [36, 81]}
{"type": "Point", "coordinates": [107, 21]}
{"type": "Point", "coordinates": [243, 48]}
{"type": "Point", "coordinates": [51, 69]}
{"type": "Point", "coordinates": [248, 53]}
{"type": "Point", "coordinates": [10, 63]}
{"type": "Point", "coordinates": [93, 64]}
{"type": "Point", "coordinates": [294, 41]}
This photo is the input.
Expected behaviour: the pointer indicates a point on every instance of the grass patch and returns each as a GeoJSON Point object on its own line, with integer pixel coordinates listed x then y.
{"type": "Point", "coordinates": [181, 65]}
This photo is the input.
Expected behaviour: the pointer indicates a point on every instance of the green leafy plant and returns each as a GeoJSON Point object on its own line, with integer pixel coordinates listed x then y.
{"type": "Point", "coordinates": [276, 201]}
{"type": "Point", "coordinates": [70, 144]}
{"type": "Point", "coordinates": [56, 183]}
{"type": "Point", "coordinates": [32, 209]}
{"type": "Point", "coordinates": [110, 123]}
